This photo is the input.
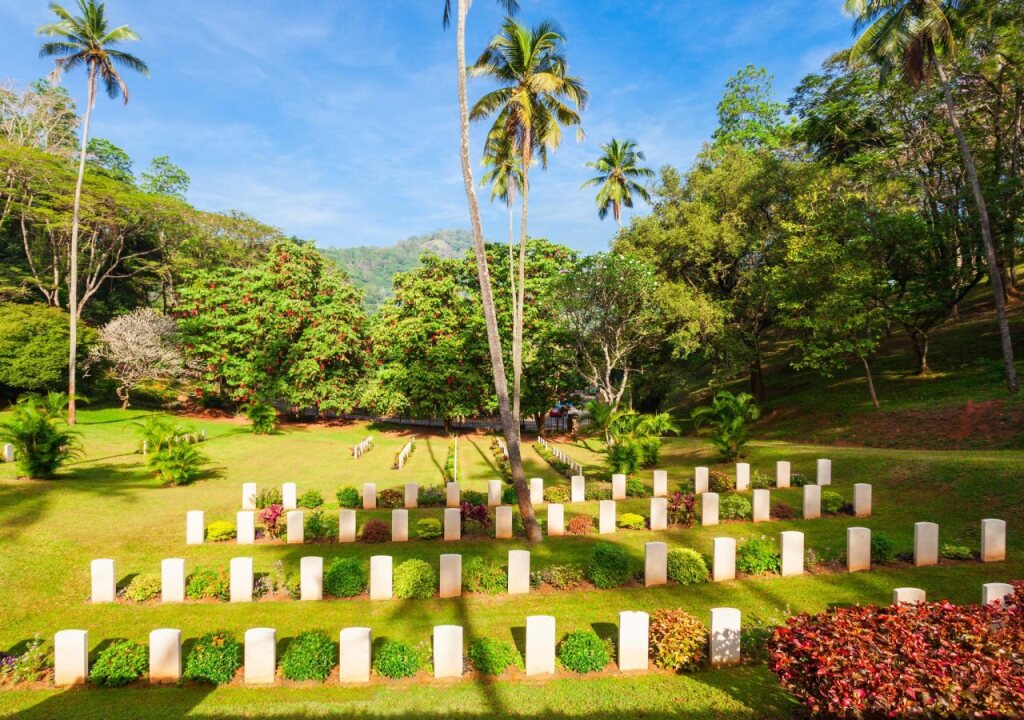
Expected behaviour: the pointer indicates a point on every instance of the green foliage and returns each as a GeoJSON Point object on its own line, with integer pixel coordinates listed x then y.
{"type": "Point", "coordinates": [609, 565]}
{"type": "Point", "coordinates": [393, 659]}
{"type": "Point", "coordinates": [719, 482]}
{"type": "Point", "coordinates": [561, 577]}
{"type": "Point", "coordinates": [748, 114]}
{"type": "Point", "coordinates": [728, 415]}
{"type": "Point", "coordinates": [635, 488]}
{"type": "Point", "coordinates": [268, 496]}
{"type": "Point", "coordinates": [757, 556]}
{"type": "Point", "coordinates": [761, 480]}
{"type": "Point", "coordinates": [433, 496]}
{"type": "Point", "coordinates": [557, 494]}
{"type": "Point", "coordinates": [493, 657]}
{"type": "Point", "coordinates": [632, 521]}
{"type": "Point", "coordinates": [345, 577]}
{"type": "Point", "coordinates": [29, 666]}
{"type": "Point", "coordinates": [107, 158]}
{"type": "Point", "coordinates": [390, 498]}
{"type": "Point", "coordinates": [311, 499]}
{"type": "Point", "coordinates": [205, 584]}
{"type": "Point", "coordinates": [561, 467]}
{"type": "Point", "coordinates": [320, 526]}
{"type": "Point", "coordinates": [449, 463]}
{"type": "Point", "coordinates": [119, 663]}
{"type": "Point", "coordinates": [348, 497]}
{"type": "Point", "coordinates": [686, 566]}
{"type": "Point", "coordinates": [179, 463]}
{"type": "Point", "coordinates": [883, 549]}
{"type": "Point", "coordinates": [215, 658]}
{"type": "Point", "coordinates": [734, 507]}
{"type": "Point", "coordinates": [34, 346]}
{"type": "Point", "coordinates": [262, 417]}
{"type": "Point", "coordinates": [41, 438]}
{"type": "Point", "coordinates": [220, 530]}
{"type": "Point", "coordinates": [597, 491]}
{"type": "Point", "coordinates": [831, 501]}
{"type": "Point", "coordinates": [623, 457]}
{"type": "Point", "coordinates": [619, 171]}
{"type": "Point", "coordinates": [678, 640]}
{"type": "Point", "coordinates": [956, 552]}
{"type": "Point", "coordinates": [429, 528]}
{"type": "Point", "coordinates": [583, 651]}
{"type": "Point", "coordinates": [310, 656]}
{"type": "Point", "coordinates": [484, 576]}
{"type": "Point", "coordinates": [164, 178]}
{"type": "Point", "coordinates": [415, 580]}
{"type": "Point", "coordinates": [143, 587]}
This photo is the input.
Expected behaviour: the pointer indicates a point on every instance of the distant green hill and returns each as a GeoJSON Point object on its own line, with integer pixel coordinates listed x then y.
{"type": "Point", "coordinates": [372, 267]}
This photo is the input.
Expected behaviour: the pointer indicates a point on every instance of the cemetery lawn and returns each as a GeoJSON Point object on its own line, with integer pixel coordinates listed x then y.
{"type": "Point", "coordinates": [107, 505]}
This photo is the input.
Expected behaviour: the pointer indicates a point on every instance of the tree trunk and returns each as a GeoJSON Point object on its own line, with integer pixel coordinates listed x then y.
{"type": "Point", "coordinates": [920, 340]}
{"type": "Point", "coordinates": [541, 418]}
{"type": "Point", "coordinates": [73, 259]}
{"type": "Point", "coordinates": [508, 424]}
{"type": "Point", "coordinates": [519, 315]}
{"type": "Point", "coordinates": [757, 380]}
{"type": "Point", "coordinates": [871, 382]}
{"type": "Point", "coordinates": [986, 230]}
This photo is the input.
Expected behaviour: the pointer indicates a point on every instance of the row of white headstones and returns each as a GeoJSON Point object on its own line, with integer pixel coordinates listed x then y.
{"type": "Point", "coordinates": [723, 566]}
{"type": "Point", "coordinates": [399, 463]}
{"type": "Point", "coordinates": [573, 465]}
{"type": "Point", "coordinates": [71, 647]}
{"type": "Point", "coordinates": [361, 449]}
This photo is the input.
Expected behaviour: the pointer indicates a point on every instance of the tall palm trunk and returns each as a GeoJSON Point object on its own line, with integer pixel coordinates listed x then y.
{"type": "Point", "coordinates": [73, 260]}
{"type": "Point", "coordinates": [486, 297]}
{"type": "Point", "coordinates": [994, 275]}
{"type": "Point", "coordinates": [518, 316]}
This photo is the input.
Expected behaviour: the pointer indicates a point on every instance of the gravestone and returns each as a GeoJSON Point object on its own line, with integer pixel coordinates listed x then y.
{"type": "Point", "coordinates": [452, 495]}
{"type": "Point", "coordinates": [248, 496]}
{"type": "Point", "coordinates": [812, 502]}
{"type": "Point", "coordinates": [536, 491]}
{"type": "Point", "coordinates": [447, 651]}
{"type": "Point", "coordinates": [723, 565]}
{"type": "Point", "coordinates": [311, 578]}
{"type": "Point", "coordinates": [296, 527]}
{"type": "Point", "coordinates": [452, 524]}
{"type": "Point", "coordinates": [451, 575]}
{"type": "Point", "coordinates": [724, 637]}
{"type": "Point", "coordinates": [260, 656]}
{"type": "Point", "coordinates": [633, 641]}
{"type": "Point", "coordinates": [742, 476]}
{"type": "Point", "coordinates": [241, 579]}
{"type": "Point", "coordinates": [783, 473]}
{"type": "Point", "coordinates": [762, 505]}
{"type": "Point", "coordinates": [992, 593]}
{"type": "Point", "coordinates": [618, 486]}
{"type": "Point", "coordinates": [518, 572]}
{"type": "Point", "coordinates": [578, 490]}
{"type": "Point", "coordinates": [289, 496]}
{"type": "Point", "coordinates": [824, 472]}
{"type": "Point", "coordinates": [245, 524]}
{"type": "Point", "coordinates": [380, 577]}
{"type": "Point", "coordinates": [700, 480]}
{"type": "Point", "coordinates": [165, 656]}
{"type": "Point", "coordinates": [556, 520]}
{"type": "Point", "coordinates": [70, 657]}
{"type": "Point", "coordinates": [369, 496]}
{"type": "Point", "coordinates": [399, 525]}
{"type": "Point", "coordinates": [493, 493]}
{"type": "Point", "coordinates": [540, 645]}
{"type": "Point", "coordinates": [412, 500]}
{"type": "Point", "coordinates": [9, 453]}
{"type": "Point", "coordinates": [347, 526]}
{"type": "Point", "coordinates": [195, 527]}
{"type": "Point", "coordinates": [104, 581]}
{"type": "Point", "coordinates": [606, 520]}
{"type": "Point", "coordinates": [993, 540]}
{"type": "Point", "coordinates": [861, 500]}
{"type": "Point", "coordinates": [911, 595]}
{"type": "Point", "coordinates": [792, 543]}
{"type": "Point", "coordinates": [926, 544]}
{"type": "Point", "coordinates": [709, 509]}
{"type": "Point", "coordinates": [659, 513]}
{"type": "Point", "coordinates": [655, 564]}
{"type": "Point", "coordinates": [503, 522]}
{"type": "Point", "coordinates": [354, 649]}
{"type": "Point", "coordinates": [858, 549]}
{"type": "Point", "coordinates": [661, 483]}
{"type": "Point", "coordinates": [172, 580]}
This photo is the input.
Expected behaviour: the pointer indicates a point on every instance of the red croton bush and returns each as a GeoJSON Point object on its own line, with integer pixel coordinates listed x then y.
{"type": "Point", "coordinates": [933, 659]}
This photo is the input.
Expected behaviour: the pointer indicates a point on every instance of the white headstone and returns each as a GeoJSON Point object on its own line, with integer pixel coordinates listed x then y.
{"type": "Point", "coordinates": [723, 564]}
{"type": "Point", "coordinates": [165, 656]}
{"type": "Point", "coordinates": [172, 580]}
{"type": "Point", "coordinates": [354, 648]}
{"type": "Point", "coordinates": [858, 549]}
{"type": "Point", "coordinates": [518, 572]}
{"type": "Point", "coordinates": [618, 486]}
{"type": "Point", "coordinates": [992, 593]}
{"type": "Point", "coordinates": [742, 476]}
{"type": "Point", "coordinates": [451, 576]}
{"type": "Point", "coordinates": [195, 527]}
{"type": "Point", "coordinates": [536, 491]}
{"type": "Point", "coordinates": [578, 490]}
{"type": "Point", "coordinates": [260, 656]}
{"type": "Point", "coordinates": [661, 483]}
{"type": "Point", "coordinates": [908, 595]}
{"type": "Point", "coordinates": [762, 505]}
{"type": "Point", "coordinates": [556, 520]}
{"type": "Point", "coordinates": [792, 543]}
{"type": "Point", "coordinates": [380, 577]}
{"type": "Point", "coordinates": [311, 578]}
{"type": "Point", "coordinates": [399, 525]}
{"type": "Point", "coordinates": [447, 651]}
{"type": "Point", "coordinates": [70, 657]}
{"type": "Point", "coordinates": [503, 522]}
{"type": "Point", "coordinates": [453, 498]}
{"type": "Point", "coordinates": [369, 496]}
{"type": "Point", "coordinates": [347, 526]}
{"type": "Point", "coordinates": [245, 522]}
{"type": "Point", "coordinates": [700, 480]}
{"type": "Point", "coordinates": [9, 453]}
{"type": "Point", "coordinates": [241, 579]}
{"type": "Point", "coordinates": [709, 508]}
{"type": "Point", "coordinates": [493, 493]}
{"type": "Point", "coordinates": [783, 472]}
{"type": "Point", "coordinates": [452, 524]}
{"type": "Point", "coordinates": [862, 500]}
{"type": "Point", "coordinates": [724, 636]}
{"type": "Point", "coordinates": [659, 513]}
{"type": "Point", "coordinates": [540, 645]}
{"type": "Point", "coordinates": [104, 582]}
{"type": "Point", "coordinates": [248, 496]}
{"type": "Point", "coordinates": [412, 500]}
{"type": "Point", "coordinates": [812, 502]}
{"type": "Point", "coordinates": [634, 645]}
{"type": "Point", "coordinates": [655, 563]}
{"type": "Point", "coordinates": [993, 540]}
{"type": "Point", "coordinates": [289, 496]}
{"type": "Point", "coordinates": [606, 520]}
{"type": "Point", "coordinates": [824, 472]}
{"type": "Point", "coordinates": [926, 544]}
{"type": "Point", "coordinates": [296, 527]}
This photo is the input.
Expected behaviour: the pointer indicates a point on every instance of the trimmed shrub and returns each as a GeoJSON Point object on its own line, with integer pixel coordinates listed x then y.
{"type": "Point", "coordinates": [609, 565]}
{"type": "Point", "coordinates": [635, 488]}
{"type": "Point", "coordinates": [484, 576]}
{"type": "Point", "coordinates": [375, 531]}
{"type": "Point", "coordinates": [956, 552]}
{"type": "Point", "coordinates": [783, 511]}
{"type": "Point", "coordinates": [390, 499]}
{"type": "Point", "coordinates": [493, 657]}
{"type": "Point", "coordinates": [429, 528]}
{"type": "Point", "coordinates": [433, 496]}
{"type": "Point", "coordinates": [831, 502]}
{"type": "Point", "coordinates": [220, 531]}
{"type": "Point", "coordinates": [120, 663]}
{"type": "Point", "coordinates": [395, 659]}
{"type": "Point", "coordinates": [509, 496]}
{"type": "Point", "coordinates": [580, 525]}
{"type": "Point", "coordinates": [320, 526]}
{"type": "Point", "coordinates": [632, 521]}
{"type": "Point", "coordinates": [41, 438]}
{"type": "Point", "coordinates": [557, 494]}
{"type": "Point", "coordinates": [415, 579]}
{"type": "Point", "coordinates": [678, 640]}
{"type": "Point", "coordinates": [719, 482]}
{"type": "Point", "coordinates": [215, 658]}
{"type": "Point", "coordinates": [734, 507]}
{"type": "Point", "coordinates": [311, 499]}
{"type": "Point", "coordinates": [760, 480]}
{"type": "Point", "coordinates": [348, 497]}
{"type": "Point", "coordinates": [687, 567]}
{"type": "Point", "coordinates": [583, 651]}
{"type": "Point", "coordinates": [143, 587]}
{"type": "Point", "coordinates": [345, 577]}
{"type": "Point", "coordinates": [883, 549]}
{"type": "Point", "coordinates": [597, 491]}
{"type": "Point", "coordinates": [799, 480]}
{"type": "Point", "coordinates": [204, 584]}
{"type": "Point", "coordinates": [756, 556]}
{"type": "Point", "coordinates": [473, 498]}
{"type": "Point", "coordinates": [262, 417]}
{"type": "Point", "coordinates": [561, 577]}
{"type": "Point", "coordinates": [268, 496]}
{"type": "Point", "coordinates": [310, 656]}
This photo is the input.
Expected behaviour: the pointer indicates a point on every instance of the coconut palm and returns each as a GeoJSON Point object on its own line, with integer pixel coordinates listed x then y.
{"type": "Point", "coordinates": [504, 175]}
{"type": "Point", "coordinates": [618, 179]}
{"type": "Point", "coordinates": [916, 38]}
{"type": "Point", "coordinates": [89, 42]}
{"type": "Point", "coordinates": [509, 427]}
{"type": "Point", "coordinates": [535, 98]}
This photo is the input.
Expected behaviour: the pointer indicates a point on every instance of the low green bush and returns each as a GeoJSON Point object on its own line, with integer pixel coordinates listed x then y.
{"type": "Point", "coordinates": [119, 663]}
{"type": "Point", "coordinates": [393, 659]}
{"type": "Point", "coordinates": [311, 499]}
{"type": "Point", "coordinates": [215, 658]}
{"type": "Point", "coordinates": [956, 552]}
{"type": "Point", "coordinates": [220, 531]}
{"type": "Point", "coordinates": [756, 556]}
{"type": "Point", "coordinates": [262, 417]}
{"type": "Point", "coordinates": [433, 496]}
{"type": "Point", "coordinates": [678, 640]}
{"type": "Point", "coordinates": [597, 491]}
{"type": "Point", "coordinates": [883, 549]}
{"type": "Point", "coordinates": [473, 497]}
{"type": "Point", "coordinates": [509, 496]}
{"type": "Point", "coordinates": [345, 577]}
{"type": "Point", "coordinates": [310, 656]}
{"type": "Point", "coordinates": [415, 579]}
{"type": "Point", "coordinates": [734, 507]}
{"type": "Point", "coordinates": [390, 498]}
{"type": "Point", "coordinates": [31, 665]}
{"type": "Point", "coordinates": [799, 480]}
{"type": "Point", "coordinates": [583, 651]}
{"type": "Point", "coordinates": [561, 577]}
{"type": "Point", "coordinates": [348, 497]}
{"type": "Point", "coordinates": [320, 526]}
{"type": "Point", "coordinates": [267, 497]}
{"type": "Point", "coordinates": [484, 576]}
{"type": "Point", "coordinates": [635, 488]}
{"type": "Point", "coordinates": [42, 440]}
{"type": "Point", "coordinates": [557, 494]}
{"type": "Point", "coordinates": [493, 657]}
{"type": "Point", "coordinates": [632, 521]}
{"type": "Point", "coordinates": [831, 502]}
{"type": "Point", "coordinates": [760, 480]}
{"type": "Point", "coordinates": [205, 584]}
{"type": "Point", "coordinates": [687, 567]}
{"type": "Point", "coordinates": [428, 528]}
{"type": "Point", "coordinates": [143, 587]}
{"type": "Point", "coordinates": [719, 482]}
{"type": "Point", "coordinates": [609, 565]}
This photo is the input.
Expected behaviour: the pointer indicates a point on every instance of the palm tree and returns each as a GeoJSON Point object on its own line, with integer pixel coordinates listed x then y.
{"type": "Point", "coordinates": [535, 98]}
{"type": "Point", "coordinates": [619, 171]}
{"type": "Point", "coordinates": [86, 41]}
{"type": "Point", "coordinates": [505, 176]}
{"type": "Point", "coordinates": [914, 37]}
{"type": "Point", "coordinates": [509, 427]}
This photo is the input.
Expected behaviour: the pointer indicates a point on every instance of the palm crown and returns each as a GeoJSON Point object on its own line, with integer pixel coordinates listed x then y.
{"type": "Point", "coordinates": [504, 166]}
{"type": "Point", "coordinates": [902, 33]}
{"type": "Point", "coordinates": [619, 172]}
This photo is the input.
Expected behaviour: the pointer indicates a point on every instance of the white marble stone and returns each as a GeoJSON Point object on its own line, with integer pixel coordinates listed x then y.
{"type": "Point", "coordinates": [452, 495]}
{"type": "Point", "coordinates": [709, 508]}
{"type": "Point", "coordinates": [399, 525]}
{"type": "Point", "coordinates": [447, 651]}
{"type": "Point", "coordinates": [380, 577]}
{"type": "Point", "coordinates": [993, 540]}
{"type": "Point", "coordinates": [311, 578]}
{"type": "Point", "coordinates": [762, 505]}
{"type": "Point", "coordinates": [296, 527]}
{"type": "Point", "coordinates": [70, 657]}
{"type": "Point", "coordinates": [655, 564]}
{"type": "Point", "coordinates": [289, 496]}
{"type": "Point", "coordinates": [494, 493]}
{"type": "Point", "coordinates": [723, 563]}
{"type": "Point", "coordinates": [536, 491]}
{"type": "Point", "coordinates": [606, 519]}
{"type": "Point", "coordinates": [634, 647]}
{"type": "Point", "coordinates": [618, 486]}
{"type": "Point", "coordinates": [556, 520]}
{"type": "Point", "coordinates": [354, 649]}
{"type": "Point", "coordinates": [452, 524]}
{"type": "Point", "coordinates": [911, 595]}
{"type": "Point", "coordinates": [812, 502]}
{"type": "Point", "coordinates": [783, 473]}
{"type": "Point", "coordinates": [9, 453]}
{"type": "Point", "coordinates": [540, 645]}
{"type": "Point", "coordinates": [992, 593]}
{"type": "Point", "coordinates": [518, 572]}
{"type": "Point", "coordinates": [369, 496]}
{"type": "Point", "coordinates": [858, 549]}
{"type": "Point", "coordinates": [824, 472]}
{"type": "Point", "coordinates": [248, 496]}
{"type": "Point", "coordinates": [241, 579]}
{"type": "Point", "coordinates": [578, 490]}
{"type": "Point", "coordinates": [260, 656]}
{"type": "Point", "coordinates": [926, 544]}
{"type": "Point", "coordinates": [660, 483]}
{"type": "Point", "coordinates": [742, 476]}
{"type": "Point", "coordinates": [724, 636]}
{"type": "Point", "coordinates": [104, 580]}
{"type": "Point", "coordinates": [412, 500]}
{"type": "Point", "coordinates": [165, 656]}
{"type": "Point", "coordinates": [700, 480]}
{"type": "Point", "coordinates": [451, 575]}
{"type": "Point", "coordinates": [659, 513]}
{"type": "Point", "coordinates": [862, 500]}
{"type": "Point", "coordinates": [245, 527]}
{"type": "Point", "coordinates": [347, 526]}
{"type": "Point", "coordinates": [172, 580]}
{"type": "Point", "coordinates": [792, 552]}
{"type": "Point", "coordinates": [503, 522]}
{"type": "Point", "coordinates": [195, 527]}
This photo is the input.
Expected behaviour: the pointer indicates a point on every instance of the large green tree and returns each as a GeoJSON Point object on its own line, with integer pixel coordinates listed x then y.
{"type": "Point", "coordinates": [619, 173]}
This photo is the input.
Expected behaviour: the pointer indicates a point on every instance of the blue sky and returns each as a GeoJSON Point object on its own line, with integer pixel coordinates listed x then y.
{"type": "Point", "coordinates": [336, 119]}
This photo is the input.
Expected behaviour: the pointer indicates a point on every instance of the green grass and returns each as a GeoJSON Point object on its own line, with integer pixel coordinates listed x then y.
{"type": "Point", "coordinates": [107, 506]}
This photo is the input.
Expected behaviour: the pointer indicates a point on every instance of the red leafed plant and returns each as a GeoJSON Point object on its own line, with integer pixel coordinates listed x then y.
{"type": "Point", "coordinates": [478, 514]}
{"type": "Point", "coordinates": [933, 659]}
{"type": "Point", "coordinates": [271, 517]}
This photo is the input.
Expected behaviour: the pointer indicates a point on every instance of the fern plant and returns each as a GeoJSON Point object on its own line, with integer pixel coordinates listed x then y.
{"type": "Point", "coordinates": [173, 460]}
{"type": "Point", "coordinates": [727, 416]}
{"type": "Point", "coordinates": [262, 418]}
{"type": "Point", "coordinates": [41, 438]}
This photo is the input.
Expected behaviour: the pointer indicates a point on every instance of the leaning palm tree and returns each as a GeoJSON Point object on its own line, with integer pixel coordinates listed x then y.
{"type": "Point", "coordinates": [509, 428]}
{"type": "Point", "coordinates": [504, 175]}
{"type": "Point", "coordinates": [619, 171]}
{"type": "Point", "coordinates": [86, 41]}
{"type": "Point", "coordinates": [535, 98]}
{"type": "Point", "coordinates": [917, 38]}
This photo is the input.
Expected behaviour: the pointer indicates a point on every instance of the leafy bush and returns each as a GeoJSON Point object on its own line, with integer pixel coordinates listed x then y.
{"type": "Point", "coordinates": [310, 656]}
{"type": "Point", "coordinates": [476, 519]}
{"type": "Point", "coordinates": [678, 640]}
{"type": "Point", "coordinates": [883, 549]}
{"type": "Point", "coordinates": [682, 509]}
{"type": "Point", "coordinates": [493, 657]}
{"type": "Point", "coordinates": [205, 584]}
{"type": "Point", "coordinates": [449, 463]}
{"type": "Point", "coordinates": [30, 666]}
{"type": "Point", "coordinates": [348, 497]}
{"type": "Point", "coordinates": [580, 525]}
{"type": "Point", "coordinates": [320, 526]}
{"type": "Point", "coordinates": [268, 496]}
{"type": "Point", "coordinates": [686, 566]}
{"type": "Point", "coordinates": [34, 341]}
{"type": "Point", "coordinates": [143, 587]}
{"type": "Point", "coordinates": [220, 530]}
{"type": "Point", "coordinates": [650, 451]}
{"type": "Point", "coordinates": [271, 517]}
{"type": "Point", "coordinates": [728, 416]}
{"type": "Point", "coordinates": [561, 577]}
{"type": "Point", "coordinates": [925, 660]}
{"type": "Point", "coordinates": [635, 488]}
{"type": "Point", "coordinates": [783, 511]}
{"type": "Point", "coordinates": [390, 498]}
{"type": "Point", "coordinates": [433, 496]}
{"type": "Point", "coordinates": [734, 507]}
{"type": "Point", "coordinates": [624, 457]}
{"type": "Point", "coordinates": [583, 651]}
{"type": "Point", "coordinates": [429, 528]}
{"type": "Point", "coordinates": [609, 565]}
{"type": "Point", "coordinates": [509, 495]}
{"type": "Point", "coordinates": [597, 491]}
{"type": "Point", "coordinates": [632, 521]}
{"type": "Point", "coordinates": [956, 552]}
{"type": "Point", "coordinates": [760, 480]}
{"type": "Point", "coordinates": [345, 577]}
{"type": "Point", "coordinates": [215, 658]}
{"type": "Point", "coordinates": [474, 497]}
{"type": "Point", "coordinates": [262, 418]}
{"type": "Point", "coordinates": [719, 482]}
{"type": "Point", "coordinates": [557, 494]}
{"type": "Point", "coordinates": [799, 480]}
{"type": "Point", "coordinates": [120, 663]}
{"type": "Point", "coordinates": [41, 438]}
{"type": "Point", "coordinates": [375, 531]}
{"type": "Point", "coordinates": [395, 659]}
{"type": "Point", "coordinates": [415, 579]}
{"type": "Point", "coordinates": [756, 556]}
{"type": "Point", "coordinates": [831, 501]}
{"type": "Point", "coordinates": [311, 499]}
{"type": "Point", "coordinates": [484, 576]}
